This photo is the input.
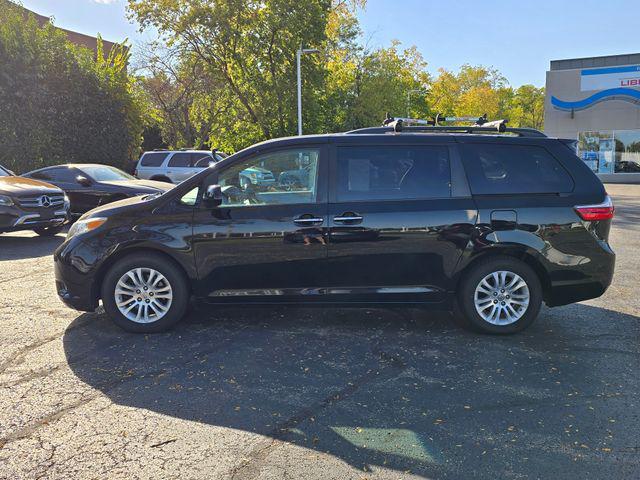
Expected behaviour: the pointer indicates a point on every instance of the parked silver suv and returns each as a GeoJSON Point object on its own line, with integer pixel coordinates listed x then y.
{"type": "Point", "coordinates": [174, 166]}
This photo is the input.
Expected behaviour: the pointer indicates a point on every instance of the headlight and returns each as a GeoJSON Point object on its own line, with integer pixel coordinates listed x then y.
{"type": "Point", "coordinates": [5, 201]}
{"type": "Point", "coordinates": [67, 203]}
{"type": "Point", "coordinates": [84, 226]}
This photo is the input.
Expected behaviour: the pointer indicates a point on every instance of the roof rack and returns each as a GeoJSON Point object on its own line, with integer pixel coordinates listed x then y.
{"type": "Point", "coordinates": [480, 125]}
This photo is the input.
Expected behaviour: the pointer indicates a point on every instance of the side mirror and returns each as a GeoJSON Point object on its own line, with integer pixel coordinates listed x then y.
{"type": "Point", "coordinates": [213, 196]}
{"type": "Point", "coordinates": [82, 180]}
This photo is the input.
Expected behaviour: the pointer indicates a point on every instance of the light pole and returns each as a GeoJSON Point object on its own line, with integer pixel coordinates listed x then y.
{"type": "Point", "coordinates": [299, 54]}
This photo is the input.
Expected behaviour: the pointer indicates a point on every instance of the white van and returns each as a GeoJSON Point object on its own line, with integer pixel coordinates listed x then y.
{"type": "Point", "coordinates": [174, 166]}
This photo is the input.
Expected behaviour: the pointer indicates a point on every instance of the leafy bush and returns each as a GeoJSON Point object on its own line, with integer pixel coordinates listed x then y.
{"type": "Point", "coordinates": [60, 103]}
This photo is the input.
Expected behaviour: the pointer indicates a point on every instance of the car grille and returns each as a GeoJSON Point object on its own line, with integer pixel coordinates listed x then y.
{"type": "Point", "coordinates": [55, 200]}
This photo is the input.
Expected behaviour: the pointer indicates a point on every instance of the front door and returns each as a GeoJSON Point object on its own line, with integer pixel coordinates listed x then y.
{"type": "Point", "coordinates": [83, 197]}
{"type": "Point", "coordinates": [268, 238]}
{"type": "Point", "coordinates": [396, 231]}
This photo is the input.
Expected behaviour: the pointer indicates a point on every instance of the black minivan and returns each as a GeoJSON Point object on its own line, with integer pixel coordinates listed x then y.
{"type": "Point", "coordinates": [488, 224]}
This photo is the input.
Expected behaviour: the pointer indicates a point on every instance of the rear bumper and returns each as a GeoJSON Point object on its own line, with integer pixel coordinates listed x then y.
{"type": "Point", "coordinates": [588, 283]}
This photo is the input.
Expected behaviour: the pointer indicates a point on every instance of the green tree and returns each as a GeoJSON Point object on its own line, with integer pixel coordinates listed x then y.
{"type": "Point", "coordinates": [474, 90]}
{"type": "Point", "coordinates": [527, 107]}
{"type": "Point", "coordinates": [228, 77]}
{"type": "Point", "coordinates": [248, 49]}
{"type": "Point", "coordinates": [364, 86]}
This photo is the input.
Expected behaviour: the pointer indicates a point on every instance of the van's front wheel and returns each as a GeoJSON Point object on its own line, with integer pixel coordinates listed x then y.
{"type": "Point", "coordinates": [145, 293]}
{"type": "Point", "coordinates": [500, 295]}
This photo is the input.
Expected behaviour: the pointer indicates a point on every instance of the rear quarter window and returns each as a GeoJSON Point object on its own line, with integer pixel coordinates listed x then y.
{"type": "Point", "coordinates": [153, 159]}
{"type": "Point", "coordinates": [513, 169]}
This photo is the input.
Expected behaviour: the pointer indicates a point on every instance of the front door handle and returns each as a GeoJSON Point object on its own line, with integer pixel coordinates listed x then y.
{"type": "Point", "coordinates": [307, 220]}
{"type": "Point", "coordinates": [348, 218]}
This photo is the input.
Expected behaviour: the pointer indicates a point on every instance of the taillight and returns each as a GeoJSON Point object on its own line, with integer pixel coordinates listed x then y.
{"type": "Point", "coordinates": [594, 213]}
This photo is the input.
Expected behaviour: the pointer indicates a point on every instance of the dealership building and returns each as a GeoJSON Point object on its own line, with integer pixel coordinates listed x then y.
{"type": "Point", "coordinates": [597, 102]}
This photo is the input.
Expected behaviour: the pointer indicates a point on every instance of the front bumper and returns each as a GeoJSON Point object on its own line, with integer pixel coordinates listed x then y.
{"type": "Point", "coordinates": [15, 219]}
{"type": "Point", "coordinates": [74, 287]}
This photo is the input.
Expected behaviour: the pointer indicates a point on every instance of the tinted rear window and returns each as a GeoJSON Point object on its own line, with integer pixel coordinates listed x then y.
{"type": "Point", "coordinates": [394, 173]}
{"type": "Point", "coordinates": [153, 159]}
{"type": "Point", "coordinates": [180, 160]}
{"type": "Point", "coordinates": [512, 169]}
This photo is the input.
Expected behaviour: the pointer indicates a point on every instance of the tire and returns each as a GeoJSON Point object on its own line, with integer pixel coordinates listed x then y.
{"type": "Point", "coordinates": [161, 179]}
{"type": "Point", "coordinates": [511, 314]}
{"type": "Point", "coordinates": [48, 231]}
{"type": "Point", "coordinates": [171, 275]}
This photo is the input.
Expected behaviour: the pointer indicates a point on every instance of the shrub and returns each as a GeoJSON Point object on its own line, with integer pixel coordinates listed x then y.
{"type": "Point", "coordinates": [60, 103]}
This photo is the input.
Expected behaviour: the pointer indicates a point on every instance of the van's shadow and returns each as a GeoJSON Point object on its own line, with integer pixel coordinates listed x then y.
{"type": "Point", "coordinates": [397, 388]}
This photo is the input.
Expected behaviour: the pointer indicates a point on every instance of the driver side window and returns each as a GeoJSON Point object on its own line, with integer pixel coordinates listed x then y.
{"type": "Point", "coordinates": [283, 177]}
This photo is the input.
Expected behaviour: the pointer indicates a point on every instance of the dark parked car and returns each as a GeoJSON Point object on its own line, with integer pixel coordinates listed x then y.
{"type": "Point", "coordinates": [91, 185]}
{"type": "Point", "coordinates": [27, 204]}
{"type": "Point", "coordinates": [493, 223]}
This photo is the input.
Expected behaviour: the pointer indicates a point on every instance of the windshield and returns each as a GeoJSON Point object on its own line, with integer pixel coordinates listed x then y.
{"type": "Point", "coordinates": [105, 173]}
{"type": "Point", "coordinates": [4, 173]}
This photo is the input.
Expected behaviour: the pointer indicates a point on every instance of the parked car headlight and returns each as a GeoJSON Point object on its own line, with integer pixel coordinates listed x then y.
{"type": "Point", "coordinates": [5, 201]}
{"type": "Point", "coordinates": [67, 203]}
{"type": "Point", "coordinates": [84, 226]}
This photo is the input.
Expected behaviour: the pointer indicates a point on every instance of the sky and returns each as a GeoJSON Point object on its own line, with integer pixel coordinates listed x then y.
{"type": "Point", "coordinates": [517, 37]}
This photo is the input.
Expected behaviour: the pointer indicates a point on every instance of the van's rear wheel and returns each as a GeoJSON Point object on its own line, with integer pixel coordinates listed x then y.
{"type": "Point", "coordinates": [145, 293]}
{"type": "Point", "coordinates": [161, 178]}
{"type": "Point", "coordinates": [500, 295]}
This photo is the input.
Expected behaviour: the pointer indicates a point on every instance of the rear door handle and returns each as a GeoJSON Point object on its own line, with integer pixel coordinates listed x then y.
{"type": "Point", "coordinates": [348, 218]}
{"type": "Point", "coordinates": [308, 220]}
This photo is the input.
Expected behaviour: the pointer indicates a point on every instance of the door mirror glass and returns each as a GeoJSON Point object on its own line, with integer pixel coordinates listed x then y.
{"type": "Point", "coordinates": [82, 180]}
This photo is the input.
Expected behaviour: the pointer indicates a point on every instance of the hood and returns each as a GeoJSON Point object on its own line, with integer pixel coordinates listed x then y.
{"type": "Point", "coordinates": [142, 185]}
{"type": "Point", "coordinates": [119, 206]}
{"type": "Point", "coordinates": [25, 186]}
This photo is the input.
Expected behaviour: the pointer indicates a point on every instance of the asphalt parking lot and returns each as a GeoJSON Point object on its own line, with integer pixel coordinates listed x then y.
{"type": "Point", "coordinates": [326, 393]}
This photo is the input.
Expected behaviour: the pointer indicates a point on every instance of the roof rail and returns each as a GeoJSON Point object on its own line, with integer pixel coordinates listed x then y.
{"type": "Point", "coordinates": [521, 132]}
{"type": "Point", "coordinates": [480, 125]}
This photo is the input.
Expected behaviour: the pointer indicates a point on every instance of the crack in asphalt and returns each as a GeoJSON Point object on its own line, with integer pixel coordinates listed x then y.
{"type": "Point", "coordinates": [30, 274]}
{"type": "Point", "coordinates": [19, 355]}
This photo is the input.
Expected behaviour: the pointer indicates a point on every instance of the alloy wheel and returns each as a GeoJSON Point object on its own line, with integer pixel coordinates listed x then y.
{"type": "Point", "coordinates": [502, 297]}
{"type": "Point", "coordinates": [143, 295]}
